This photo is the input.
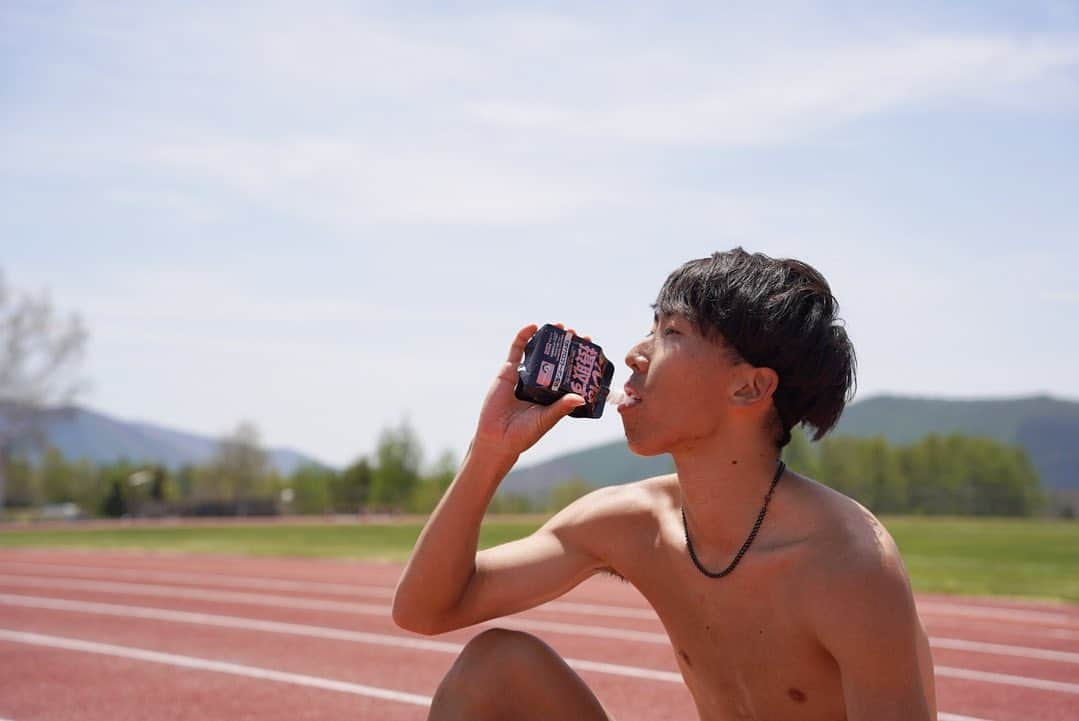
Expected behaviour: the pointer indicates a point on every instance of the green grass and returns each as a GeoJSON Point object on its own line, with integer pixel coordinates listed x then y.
{"type": "Point", "coordinates": [990, 556]}
{"type": "Point", "coordinates": [375, 541]}
{"type": "Point", "coordinates": [1023, 557]}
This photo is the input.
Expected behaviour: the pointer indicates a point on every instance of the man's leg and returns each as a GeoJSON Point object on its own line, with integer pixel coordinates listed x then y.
{"type": "Point", "coordinates": [504, 674]}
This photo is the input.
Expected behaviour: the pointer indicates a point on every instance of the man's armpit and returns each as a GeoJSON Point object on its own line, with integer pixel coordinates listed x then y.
{"type": "Point", "coordinates": [608, 571]}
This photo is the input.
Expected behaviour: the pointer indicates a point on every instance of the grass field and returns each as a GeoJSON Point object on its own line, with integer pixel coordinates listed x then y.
{"type": "Point", "coordinates": [1033, 558]}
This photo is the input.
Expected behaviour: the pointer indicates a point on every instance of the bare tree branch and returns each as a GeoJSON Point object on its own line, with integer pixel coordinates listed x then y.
{"type": "Point", "coordinates": [39, 355]}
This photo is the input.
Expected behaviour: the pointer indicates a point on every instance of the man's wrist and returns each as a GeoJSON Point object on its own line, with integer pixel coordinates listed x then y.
{"type": "Point", "coordinates": [489, 460]}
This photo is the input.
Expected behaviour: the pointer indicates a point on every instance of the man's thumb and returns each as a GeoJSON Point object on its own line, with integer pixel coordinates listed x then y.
{"type": "Point", "coordinates": [560, 409]}
{"type": "Point", "coordinates": [571, 401]}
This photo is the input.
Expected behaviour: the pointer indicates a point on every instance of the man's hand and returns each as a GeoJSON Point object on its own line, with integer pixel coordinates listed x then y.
{"type": "Point", "coordinates": [509, 426]}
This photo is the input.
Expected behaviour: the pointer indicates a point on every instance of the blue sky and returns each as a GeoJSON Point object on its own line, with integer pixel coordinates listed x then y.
{"type": "Point", "coordinates": [328, 217]}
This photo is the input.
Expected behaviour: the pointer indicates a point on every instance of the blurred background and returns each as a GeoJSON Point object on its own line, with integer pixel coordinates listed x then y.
{"type": "Point", "coordinates": [264, 260]}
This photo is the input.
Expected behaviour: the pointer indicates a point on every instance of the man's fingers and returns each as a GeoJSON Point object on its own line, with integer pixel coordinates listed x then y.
{"type": "Point", "coordinates": [572, 331]}
{"type": "Point", "coordinates": [518, 348]}
{"type": "Point", "coordinates": [559, 410]}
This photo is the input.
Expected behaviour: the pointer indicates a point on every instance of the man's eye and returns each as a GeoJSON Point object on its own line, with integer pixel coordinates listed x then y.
{"type": "Point", "coordinates": [670, 331]}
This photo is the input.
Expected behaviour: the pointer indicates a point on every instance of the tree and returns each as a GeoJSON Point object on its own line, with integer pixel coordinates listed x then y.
{"type": "Point", "coordinates": [24, 485]}
{"type": "Point", "coordinates": [239, 466]}
{"type": "Point", "coordinates": [310, 486]}
{"type": "Point", "coordinates": [398, 471]}
{"type": "Point", "coordinates": [118, 473]}
{"type": "Point", "coordinates": [39, 352]}
{"type": "Point", "coordinates": [504, 503]}
{"type": "Point", "coordinates": [114, 504]}
{"type": "Point", "coordinates": [566, 493]}
{"type": "Point", "coordinates": [351, 487]}
{"type": "Point", "coordinates": [799, 455]}
{"type": "Point", "coordinates": [57, 477]}
{"type": "Point", "coordinates": [86, 487]}
{"type": "Point", "coordinates": [429, 490]}
{"type": "Point", "coordinates": [886, 484]}
{"type": "Point", "coordinates": [159, 482]}
{"type": "Point", "coordinates": [841, 465]}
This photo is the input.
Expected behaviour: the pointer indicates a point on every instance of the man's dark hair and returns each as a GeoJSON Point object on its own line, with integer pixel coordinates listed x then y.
{"type": "Point", "coordinates": [774, 313]}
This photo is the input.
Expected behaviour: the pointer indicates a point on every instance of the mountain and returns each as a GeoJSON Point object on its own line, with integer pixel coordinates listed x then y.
{"type": "Point", "coordinates": [1047, 428]}
{"type": "Point", "coordinates": [605, 465]}
{"type": "Point", "coordinates": [81, 433]}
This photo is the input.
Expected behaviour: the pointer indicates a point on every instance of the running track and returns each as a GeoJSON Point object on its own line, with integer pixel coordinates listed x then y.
{"type": "Point", "coordinates": [87, 636]}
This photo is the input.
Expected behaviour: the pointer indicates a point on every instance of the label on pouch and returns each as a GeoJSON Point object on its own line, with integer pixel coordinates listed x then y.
{"type": "Point", "coordinates": [563, 356]}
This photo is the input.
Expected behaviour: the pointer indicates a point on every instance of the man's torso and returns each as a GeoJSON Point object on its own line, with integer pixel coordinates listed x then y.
{"type": "Point", "coordinates": [745, 642]}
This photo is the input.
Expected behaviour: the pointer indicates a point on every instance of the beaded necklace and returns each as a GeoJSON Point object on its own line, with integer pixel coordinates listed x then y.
{"type": "Point", "coordinates": [745, 546]}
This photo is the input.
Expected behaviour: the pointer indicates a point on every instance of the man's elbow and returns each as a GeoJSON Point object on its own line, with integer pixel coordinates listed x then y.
{"type": "Point", "coordinates": [412, 618]}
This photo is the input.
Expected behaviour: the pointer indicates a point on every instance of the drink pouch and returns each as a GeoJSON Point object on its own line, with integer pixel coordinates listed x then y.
{"type": "Point", "coordinates": [557, 362]}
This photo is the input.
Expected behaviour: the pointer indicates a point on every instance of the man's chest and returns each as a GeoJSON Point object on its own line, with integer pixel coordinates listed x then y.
{"type": "Point", "coordinates": [743, 642]}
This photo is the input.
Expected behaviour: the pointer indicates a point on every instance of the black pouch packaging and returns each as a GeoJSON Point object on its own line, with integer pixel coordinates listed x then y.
{"type": "Point", "coordinates": [557, 362]}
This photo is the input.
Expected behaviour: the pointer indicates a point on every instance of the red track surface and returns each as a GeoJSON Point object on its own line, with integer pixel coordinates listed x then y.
{"type": "Point", "coordinates": [150, 636]}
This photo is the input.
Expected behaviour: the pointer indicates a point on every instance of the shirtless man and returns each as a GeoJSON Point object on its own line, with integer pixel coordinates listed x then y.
{"type": "Point", "coordinates": [815, 617]}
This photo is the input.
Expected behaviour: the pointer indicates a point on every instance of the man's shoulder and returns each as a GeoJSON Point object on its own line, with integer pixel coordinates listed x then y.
{"type": "Point", "coordinates": [626, 503]}
{"type": "Point", "coordinates": [853, 556]}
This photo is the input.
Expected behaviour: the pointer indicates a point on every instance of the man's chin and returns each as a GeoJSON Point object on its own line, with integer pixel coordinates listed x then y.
{"type": "Point", "coordinates": [640, 447]}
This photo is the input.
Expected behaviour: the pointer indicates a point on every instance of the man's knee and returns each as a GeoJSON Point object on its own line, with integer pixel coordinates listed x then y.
{"type": "Point", "coordinates": [510, 674]}
{"type": "Point", "coordinates": [475, 685]}
{"type": "Point", "coordinates": [499, 650]}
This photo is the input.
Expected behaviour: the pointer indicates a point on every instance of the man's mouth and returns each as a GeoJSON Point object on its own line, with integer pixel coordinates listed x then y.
{"type": "Point", "coordinates": [629, 399]}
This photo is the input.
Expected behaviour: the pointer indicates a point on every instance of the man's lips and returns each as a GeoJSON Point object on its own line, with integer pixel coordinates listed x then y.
{"type": "Point", "coordinates": [629, 399]}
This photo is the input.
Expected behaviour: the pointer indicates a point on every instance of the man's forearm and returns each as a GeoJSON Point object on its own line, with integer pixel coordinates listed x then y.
{"type": "Point", "coordinates": [444, 558]}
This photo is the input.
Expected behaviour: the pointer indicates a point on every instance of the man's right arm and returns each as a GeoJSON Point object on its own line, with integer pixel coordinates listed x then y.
{"type": "Point", "coordinates": [446, 584]}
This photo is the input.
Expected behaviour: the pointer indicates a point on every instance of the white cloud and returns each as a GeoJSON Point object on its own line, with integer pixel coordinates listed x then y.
{"type": "Point", "coordinates": [1065, 297]}
{"type": "Point", "coordinates": [796, 93]}
{"type": "Point", "coordinates": [353, 183]}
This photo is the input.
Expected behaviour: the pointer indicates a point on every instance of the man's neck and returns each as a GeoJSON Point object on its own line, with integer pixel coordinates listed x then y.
{"type": "Point", "coordinates": [723, 485]}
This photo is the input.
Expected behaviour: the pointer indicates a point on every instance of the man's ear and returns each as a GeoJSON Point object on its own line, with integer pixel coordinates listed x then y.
{"type": "Point", "coordinates": [757, 384]}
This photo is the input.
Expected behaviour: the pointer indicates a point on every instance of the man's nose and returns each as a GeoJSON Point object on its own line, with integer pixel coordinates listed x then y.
{"type": "Point", "coordinates": [636, 358]}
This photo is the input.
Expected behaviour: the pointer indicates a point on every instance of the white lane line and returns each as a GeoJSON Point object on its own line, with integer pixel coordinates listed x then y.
{"type": "Point", "coordinates": [143, 589]}
{"type": "Point", "coordinates": [125, 611]}
{"type": "Point", "coordinates": [592, 609]}
{"type": "Point", "coordinates": [263, 674]}
{"type": "Point", "coordinates": [1000, 649]}
{"type": "Point", "coordinates": [296, 629]}
{"type": "Point", "coordinates": [576, 629]}
{"type": "Point", "coordinates": [213, 579]}
{"type": "Point", "coordinates": [256, 582]}
{"type": "Point", "coordinates": [1064, 633]}
{"type": "Point", "coordinates": [380, 591]}
{"type": "Point", "coordinates": [994, 612]}
{"type": "Point", "coordinates": [259, 599]}
{"type": "Point", "coordinates": [203, 664]}
{"type": "Point", "coordinates": [1007, 679]}
{"type": "Point", "coordinates": [272, 626]}
{"type": "Point", "coordinates": [222, 621]}
{"type": "Point", "coordinates": [517, 622]}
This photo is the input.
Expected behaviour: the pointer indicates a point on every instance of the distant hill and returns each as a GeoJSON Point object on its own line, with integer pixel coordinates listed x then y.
{"type": "Point", "coordinates": [81, 433]}
{"type": "Point", "coordinates": [606, 465]}
{"type": "Point", "coordinates": [1047, 428]}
